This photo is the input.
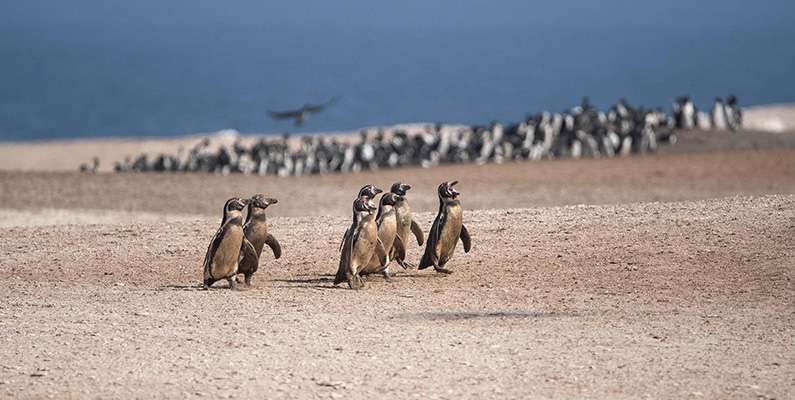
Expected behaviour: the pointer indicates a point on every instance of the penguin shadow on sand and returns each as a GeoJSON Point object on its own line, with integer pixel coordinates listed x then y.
{"type": "Point", "coordinates": [187, 287]}
{"type": "Point", "coordinates": [414, 274]}
{"type": "Point", "coordinates": [323, 281]}
{"type": "Point", "coordinates": [499, 315]}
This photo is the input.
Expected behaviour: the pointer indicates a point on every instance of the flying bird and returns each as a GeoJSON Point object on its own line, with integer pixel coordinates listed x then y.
{"type": "Point", "coordinates": [300, 115]}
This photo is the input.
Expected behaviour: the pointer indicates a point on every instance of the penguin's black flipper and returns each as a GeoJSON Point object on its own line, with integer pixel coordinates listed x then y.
{"type": "Point", "coordinates": [249, 259]}
{"type": "Point", "coordinates": [340, 277]}
{"type": "Point", "coordinates": [465, 239]}
{"type": "Point", "coordinates": [398, 250]}
{"type": "Point", "coordinates": [415, 228]}
{"type": "Point", "coordinates": [214, 244]}
{"type": "Point", "coordinates": [342, 271]}
{"type": "Point", "coordinates": [346, 250]}
{"type": "Point", "coordinates": [342, 242]}
{"type": "Point", "coordinates": [274, 245]}
{"type": "Point", "coordinates": [429, 259]}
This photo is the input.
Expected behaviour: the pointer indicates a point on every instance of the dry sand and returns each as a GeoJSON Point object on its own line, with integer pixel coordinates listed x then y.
{"type": "Point", "coordinates": [664, 177]}
{"type": "Point", "coordinates": [653, 300]}
{"type": "Point", "coordinates": [666, 276]}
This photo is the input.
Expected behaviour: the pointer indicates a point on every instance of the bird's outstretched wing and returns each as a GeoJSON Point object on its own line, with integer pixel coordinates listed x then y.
{"type": "Point", "coordinates": [285, 114]}
{"type": "Point", "coordinates": [314, 108]}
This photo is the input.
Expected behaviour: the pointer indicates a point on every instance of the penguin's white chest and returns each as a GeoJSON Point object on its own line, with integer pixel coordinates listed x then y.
{"type": "Point", "coordinates": [226, 255]}
{"type": "Point", "coordinates": [450, 233]}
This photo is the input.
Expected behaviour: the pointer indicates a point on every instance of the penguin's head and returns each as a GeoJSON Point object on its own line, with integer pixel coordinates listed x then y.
{"type": "Point", "coordinates": [260, 201]}
{"type": "Point", "coordinates": [400, 188]}
{"type": "Point", "coordinates": [369, 191]}
{"type": "Point", "coordinates": [363, 204]}
{"type": "Point", "coordinates": [235, 204]}
{"type": "Point", "coordinates": [446, 190]}
{"type": "Point", "coordinates": [390, 199]}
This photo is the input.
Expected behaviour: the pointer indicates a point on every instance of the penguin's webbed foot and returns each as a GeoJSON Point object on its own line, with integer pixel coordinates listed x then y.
{"type": "Point", "coordinates": [232, 283]}
{"type": "Point", "coordinates": [358, 282]}
{"type": "Point", "coordinates": [355, 282]}
{"type": "Point", "coordinates": [444, 271]}
{"type": "Point", "coordinates": [387, 277]}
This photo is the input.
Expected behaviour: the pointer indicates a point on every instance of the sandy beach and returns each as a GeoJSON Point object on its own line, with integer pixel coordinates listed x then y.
{"type": "Point", "coordinates": [664, 276]}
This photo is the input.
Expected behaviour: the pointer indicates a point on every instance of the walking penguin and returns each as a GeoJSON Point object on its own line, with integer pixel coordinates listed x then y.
{"type": "Point", "coordinates": [447, 229]}
{"type": "Point", "coordinates": [256, 237]}
{"type": "Point", "coordinates": [387, 234]}
{"type": "Point", "coordinates": [405, 224]}
{"type": "Point", "coordinates": [359, 244]}
{"type": "Point", "coordinates": [224, 251]}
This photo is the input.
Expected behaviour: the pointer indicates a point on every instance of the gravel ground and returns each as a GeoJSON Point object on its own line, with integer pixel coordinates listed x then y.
{"type": "Point", "coordinates": [646, 300]}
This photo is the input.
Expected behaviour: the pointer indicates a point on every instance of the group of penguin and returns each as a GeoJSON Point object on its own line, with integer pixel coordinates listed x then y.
{"type": "Point", "coordinates": [723, 115]}
{"type": "Point", "coordinates": [581, 131]}
{"type": "Point", "coordinates": [377, 236]}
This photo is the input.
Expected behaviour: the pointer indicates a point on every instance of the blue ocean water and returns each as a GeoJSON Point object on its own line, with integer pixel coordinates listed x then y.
{"type": "Point", "coordinates": [87, 68]}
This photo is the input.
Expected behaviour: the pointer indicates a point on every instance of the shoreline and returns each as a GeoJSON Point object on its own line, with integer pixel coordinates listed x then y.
{"type": "Point", "coordinates": [773, 117]}
{"type": "Point", "coordinates": [776, 121]}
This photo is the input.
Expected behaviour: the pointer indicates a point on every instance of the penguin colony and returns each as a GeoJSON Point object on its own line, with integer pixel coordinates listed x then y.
{"type": "Point", "coordinates": [377, 236]}
{"type": "Point", "coordinates": [582, 131]}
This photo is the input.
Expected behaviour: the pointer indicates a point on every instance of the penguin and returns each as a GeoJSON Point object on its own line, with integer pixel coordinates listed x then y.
{"type": "Point", "coordinates": [256, 236]}
{"type": "Point", "coordinates": [447, 229]}
{"type": "Point", "coordinates": [405, 224]}
{"type": "Point", "coordinates": [718, 115]}
{"type": "Point", "coordinates": [734, 114]}
{"type": "Point", "coordinates": [359, 245]}
{"type": "Point", "coordinates": [387, 222]}
{"type": "Point", "coordinates": [369, 191]}
{"type": "Point", "coordinates": [224, 251]}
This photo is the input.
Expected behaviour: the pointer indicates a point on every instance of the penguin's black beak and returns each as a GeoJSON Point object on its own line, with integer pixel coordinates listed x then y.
{"type": "Point", "coordinates": [270, 201]}
{"type": "Point", "coordinates": [406, 187]}
{"type": "Point", "coordinates": [377, 190]}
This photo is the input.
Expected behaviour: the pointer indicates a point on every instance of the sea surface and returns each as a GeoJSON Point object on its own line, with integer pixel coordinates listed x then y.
{"type": "Point", "coordinates": [91, 68]}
